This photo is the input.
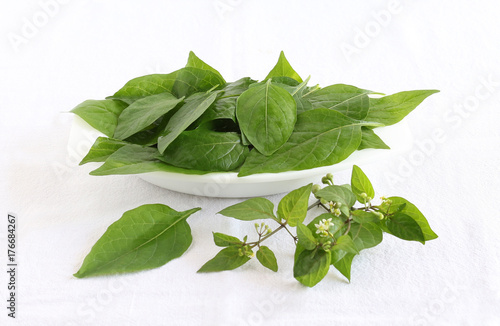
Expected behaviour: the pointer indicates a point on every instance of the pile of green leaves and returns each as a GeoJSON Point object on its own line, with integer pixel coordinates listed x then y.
{"type": "Point", "coordinates": [193, 121]}
{"type": "Point", "coordinates": [151, 235]}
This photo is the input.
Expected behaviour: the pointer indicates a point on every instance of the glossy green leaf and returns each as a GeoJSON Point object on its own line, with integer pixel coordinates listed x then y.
{"type": "Point", "coordinates": [192, 80]}
{"type": "Point", "coordinates": [346, 244]}
{"type": "Point", "coordinates": [251, 209]}
{"type": "Point", "coordinates": [343, 263]}
{"type": "Point", "coordinates": [391, 109]}
{"type": "Point", "coordinates": [195, 62]}
{"type": "Point", "coordinates": [143, 113]}
{"type": "Point", "coordinates": [146, 237]}
{"type": "Point", "coordinates": [267, 115]}
{"type": "Point", "coordinates": [366, 235]}
{"type": "Point", "coordinates": [293, 207]}
{"type": "Point", "coordinates": [283, 69]}
{"type": "Point", "coordinates": [224, 240]}
{"type": "Point", "coordinates": [306, 237]}
{"type": "Point", "coordinates": [321, 137]}
{"type": "Point", "coordinates": [361, 216]}
{"type": "Point", "coordinates": [145, 86]}
{"type": "Point", "coordinates": [206, 150]}
{"type": "Point", "coordinates": [414, 213]}
{"type": "Point", "coordinates": [369, 139]}
{"type": "Point", "coordinates": [227, 259]}
{"type": "Point", "coordinates": [337, 194]}
{"type": "Point", "coordinates": [135, 159]}
{"type": "Point", "coordinates": [101, 149]}
{"type": "Point", "coordinates": [267, 258]}
{"type": "Point", "coordinates": [311, 266]}
{"type": "Point", "coordinates": [361, 184]}
{"type": "Point", "coordinates": [186, 115]}
{"type": "Point", "coordinates": [404, 227]}
{"type": "Point", "coordinates": [102, 115]}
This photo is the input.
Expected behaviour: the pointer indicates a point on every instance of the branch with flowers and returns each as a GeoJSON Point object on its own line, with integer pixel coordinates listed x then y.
{"type": "Point", "coordinates": [332, 238]}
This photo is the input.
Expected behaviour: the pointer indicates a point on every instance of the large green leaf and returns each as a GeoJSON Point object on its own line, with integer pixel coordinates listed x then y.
{"type": "Point", "coordinates": [321, 137]}
{"type": "Point", "coordinates": [311, 266]}
{"type": "Point", "coordinates": [195, 62]}
{"type": "Point", "coordinates": [143, 113]}
{"type": "Point", "coordinates": [227, 259]}
{"type": "Point", "coordinates": [186, 115]}
{"type": "Point", "coordinates": [192, 80]}
{"type": "Point", "coordinates": [404, 227]}
{"type": "Point", "coordinates": [361, 184]}
{"type": "Point", "coordinates": [101, 149]}
{"type": "Point", "coordinates": [266, 115]}
{"type": "Point", "coordinates": [283, 69]}
{"type": "Point", "coordinates": [369, 139]}
{"type": "Point", "coordinates": [391, 109]}
{"type": "Point", "coordinates": [366, 235]}
{"type": "Point", "coordinates": [251, 209]}
{"type": "Point", "coordinates": [267, 258]}
{"type": "Point", "coordinates": [348, 100]}
{"type": "Point", "coordinates": [135, 159]}
{"type": "Point", "coordinates": [145, 86]}
{"type": "Point", "coordinates": [146, 237]}
{"type": "Point", "coordinates": [293, 207]}
{"type": "Point", "coordinates": [102, 115]}
{"type": "Point", "coordinates": [206, 150]}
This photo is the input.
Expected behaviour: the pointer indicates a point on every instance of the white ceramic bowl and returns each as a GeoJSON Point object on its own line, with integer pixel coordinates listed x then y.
{"type": "Point", "coordinates": [228, 184]}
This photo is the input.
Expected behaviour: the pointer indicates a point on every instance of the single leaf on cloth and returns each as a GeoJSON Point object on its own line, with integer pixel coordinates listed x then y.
{"type": "Point", "coordinates": [145, 237]}
{"type": "Point", "coordinates": [267, 258]}
{"type": "Point", "coordinates": [227, 259]}
{"type": "Point", "coordinates": [102, 115]}
{"type": "Point", "coordinates": [266, 115]}
{"type": "Point", "coordinates": [321, 137]}
{"type": "Point", "coordinates": [404, 227]}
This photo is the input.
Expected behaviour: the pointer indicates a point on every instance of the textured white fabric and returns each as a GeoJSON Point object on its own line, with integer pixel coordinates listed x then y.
{"type": "Point", "coordinates": [88, 49]}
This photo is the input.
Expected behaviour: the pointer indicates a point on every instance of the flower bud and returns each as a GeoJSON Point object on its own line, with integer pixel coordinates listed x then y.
{"type": "Point", "coordinates": [316, 188]}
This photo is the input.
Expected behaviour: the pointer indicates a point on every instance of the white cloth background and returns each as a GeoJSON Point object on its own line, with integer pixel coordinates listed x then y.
{"type": "Point", "coordinates": [90, 48]}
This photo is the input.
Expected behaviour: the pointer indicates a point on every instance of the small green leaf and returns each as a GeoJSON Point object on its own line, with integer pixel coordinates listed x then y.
{"type": "Point", "coordinates": [391, 109]}
{"type": "Point", "coordinates": [306, 237]}
{"type": "Point", "coordinates": [343, 263]}
{"type": "Point", "coordinates": [346, 244]}
{"type": "Point", "coordinates": [361, 184]}
{"type": "Point", "coordinates": [266, 115]}
{"type": "Point", "coordinates": [293, 207]}
{"type": "Point", "coordinates": [224, 240]}
{"type": "Point", "coordinates": [337, 194]}
{"type": "Point", "coordinates": [101, 149]}
{"type": "Point", "coordinates": [267, 258]}
{"type": "Point", "coordinates": [227, 259]}
{"type": "Point", "coordinates": [283, 69]}
{"type": "Point", "coordinates": [146, 237]}
{"type": "Point", "coordinates": [311, 266]}
{"type": "Point", "coordinates": [370, 140]}
{"type": "Point", "coordinates": [404, 227]}
{"type": "Point", "coordinates": [102, 115]}
{"type": "Point", "coordinates": [145, 86]}
{"type": "Point", "coordinates": [192, 80]}
{"type": "Point", "coordinates": [143, 113]}
{"type": "Point", "coordinates": [365, 235]}
{"type": "Point", "coordinates": [251, 209]}
{"type": "Point", "coordinates": [195, 62]}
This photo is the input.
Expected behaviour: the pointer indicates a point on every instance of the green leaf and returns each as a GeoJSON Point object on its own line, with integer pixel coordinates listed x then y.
{"type": "Point", "coordinates": [283, 69]}
{"type": "Point", "coordinates": [346, 244]}
{"type": "Point", "coordinates": [306, 237]}
{"type": "Point", "coordinates": [206, 150]}
{"type": "Point", "coordinates": [370, 140]}
{"type": "Point", "coordinates": [145, 86]}
{"type": "Point", "coordinates": [227, 259]}
{"type": "Point", "coordinates": [321, 137]}
{"type": "Point", "coordinates": [298, 93]}
{"type": "Point", "coordinates": [135, 159]}
{"type": "Point", "coordinates": [195, 62]}
{"type": "Point", "coordinates": [102, 115]}
{"type": "Point", "coordinates": [361, 184]}
{"type": "Point", "coordinates": [414, 213]}
{"type": "Point", "coordinates": [143, 113]}
{"type": "Point", "coordinates": [361, 216]}
{"type": "Point", "coordinates": [267, 258]}
{"type": "Point", "coordinates": [343, 263]}
{"type": "Point", "coordinates": [186, 115]}
{"type": "Point", "coordinates": [365, 235]}
{"type": "Point", "coordinates": [145, 237]}
{"type": "Point", "coordinates": [311, 266]}
{"type": "Point", "coordinates": [267, 115]}
{"type": "Point", "coordinates": [224, 240]}
{"type": "Point", "coordinates": [195, 80]}
{"type": "Point", "coordinates": [348, 100]}
{"type": "Point", "coordinates": [101, 149]}
{"type": "Point", "coordinates": [391, 109]}
{"type": "Point", "coordinates": [338, 194]}
{"type": "Point", "coordinates": [404, 227]}
{"type": "Point", "coordinates": [251, 209]}
{"type": "Point", "coordinates": [293, 207]}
